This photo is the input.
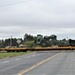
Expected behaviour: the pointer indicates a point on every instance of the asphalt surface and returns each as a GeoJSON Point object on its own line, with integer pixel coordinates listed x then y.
{"type": "Point", "coordinates": [16, 65]}
{"type": "Point", "coordinates": [63, 64]}
{"type": "Point", "coordinates": [40, 63]}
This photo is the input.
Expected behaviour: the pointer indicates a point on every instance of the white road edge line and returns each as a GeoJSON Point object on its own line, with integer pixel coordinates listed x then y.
{"type": "Point", "coordinates": [33, 55]}
{"type": "Point", "coordinates": [18, 58]}
{"type": "Point", "coordinates": [5, 62]}
{"type": "Point", "coordinates": [27, 57]}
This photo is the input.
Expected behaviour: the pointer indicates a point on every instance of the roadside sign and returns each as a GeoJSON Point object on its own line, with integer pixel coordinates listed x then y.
{"type": "Point", "coordinates": [18, 41]}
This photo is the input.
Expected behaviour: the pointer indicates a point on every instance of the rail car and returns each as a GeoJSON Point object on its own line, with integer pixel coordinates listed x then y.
{"type": "Point", "coordinates": [37, 49]}
{"type": "Point", "coordinates": [14, 49]}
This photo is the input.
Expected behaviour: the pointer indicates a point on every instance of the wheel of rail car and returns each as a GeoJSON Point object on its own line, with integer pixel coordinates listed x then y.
{"type": "Point", "coordinates": [44, 43]}
{"type": "Point", "coordinates": [13, 51]}
{"type": "Point", "coordinates": [17, 51]}
{"type": "Point", "coordinates": [24, 50]}
{"type": "Point", "coordinates": [8, 51]}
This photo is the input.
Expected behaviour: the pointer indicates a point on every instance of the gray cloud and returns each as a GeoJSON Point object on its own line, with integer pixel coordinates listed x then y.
{"type": "Point", "coordinates": [37, 16]}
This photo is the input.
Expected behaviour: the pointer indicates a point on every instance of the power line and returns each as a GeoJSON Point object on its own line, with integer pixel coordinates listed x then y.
{"type": "Point", "coordinates": [14, 3]}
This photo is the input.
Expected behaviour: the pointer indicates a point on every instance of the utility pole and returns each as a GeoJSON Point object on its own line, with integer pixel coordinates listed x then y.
{"type": "Point", "coordinates": [11, 41]}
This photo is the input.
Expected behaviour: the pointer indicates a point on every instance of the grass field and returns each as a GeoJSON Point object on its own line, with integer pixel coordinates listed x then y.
{"type": "Point", "coordinates": [11, 54]}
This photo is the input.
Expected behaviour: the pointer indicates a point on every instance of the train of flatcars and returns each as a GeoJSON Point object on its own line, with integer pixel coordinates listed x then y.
{"type": "Point", "coordinates": [37, 49]}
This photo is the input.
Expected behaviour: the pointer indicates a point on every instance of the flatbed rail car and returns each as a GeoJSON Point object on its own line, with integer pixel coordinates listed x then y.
{"type": "Point", "coordinates": [36, 49]}
{"type": "Point", "coordinates": [14, 49]}
{"type": "Point", "coordinates": [53, 48]}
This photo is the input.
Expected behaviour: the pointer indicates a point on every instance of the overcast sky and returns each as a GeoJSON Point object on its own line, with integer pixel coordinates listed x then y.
{"type": "Point", "coordinates": [45, 17]}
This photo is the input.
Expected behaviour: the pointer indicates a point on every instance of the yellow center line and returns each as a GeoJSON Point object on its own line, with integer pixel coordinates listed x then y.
{"type": "Point", "coordinates": [38, 64]}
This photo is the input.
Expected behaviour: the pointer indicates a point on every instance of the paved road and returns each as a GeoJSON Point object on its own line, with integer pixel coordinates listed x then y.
{"type": "Point", "coordinates": [63, 64]}
{"type": "Point", "coordinates": [40, 63]}
{"type": "Point", "coordinates": [14, 66]}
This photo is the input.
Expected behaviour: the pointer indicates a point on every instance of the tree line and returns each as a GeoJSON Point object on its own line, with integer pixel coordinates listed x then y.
{"type": "Point", "coordinates": [13, 41]}
{"type": "Point", "coordinates": [28, 38]}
